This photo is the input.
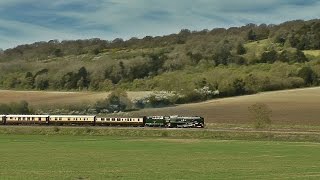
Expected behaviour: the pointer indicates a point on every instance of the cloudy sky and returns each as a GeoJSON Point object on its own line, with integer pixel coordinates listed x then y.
{"type": "Point", "coordinates": [28, 21]}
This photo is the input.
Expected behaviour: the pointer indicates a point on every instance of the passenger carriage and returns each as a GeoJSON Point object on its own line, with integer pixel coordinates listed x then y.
{"type": "Point", "coordinates": [120, 121]}
{"type": "Point", "coordinates": [2, 119]}
{"type": "Point", "coordinates": [26, 119]}
{"type": "Point", "coordinates": [72, 119]}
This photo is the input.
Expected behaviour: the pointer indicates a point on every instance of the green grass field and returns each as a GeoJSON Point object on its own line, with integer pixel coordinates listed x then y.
{"type": "Point", "coordinates": [102, 157]}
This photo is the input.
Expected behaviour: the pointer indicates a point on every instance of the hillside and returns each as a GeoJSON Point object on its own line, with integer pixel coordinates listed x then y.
{"type": "Point", "coordinates": [37, 99]}
{"type": "Point", "coordinates": [230, 62]}
{"type": "Point", "coordinates": [289, 107]}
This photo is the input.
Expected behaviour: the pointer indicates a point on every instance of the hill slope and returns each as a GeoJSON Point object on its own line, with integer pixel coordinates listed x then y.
{"type": "Point", "coordinates": [236, 61]}
{"type": "Point", "coordinates": [289, 107]}
{"type": "Point", "coordinates": [55, 98]}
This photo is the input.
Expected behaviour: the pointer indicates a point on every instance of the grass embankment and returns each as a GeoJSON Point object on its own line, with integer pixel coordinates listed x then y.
{"type": "Point", "coordinates": [224, 134]}
{"type": "Point", "coordinates": [96, 157]}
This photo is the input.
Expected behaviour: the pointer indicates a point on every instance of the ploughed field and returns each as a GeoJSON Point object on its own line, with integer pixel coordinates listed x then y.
{"type": "Point", "coordinates": [289, 107]}
{"type": "Point", "coordinates": [56, 98]}
{"type": "Point", "coordinates": [100, 157]}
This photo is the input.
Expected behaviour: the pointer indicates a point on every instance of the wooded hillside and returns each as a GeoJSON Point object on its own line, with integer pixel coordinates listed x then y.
{"type": "Point", "coordinates": [234, 61]}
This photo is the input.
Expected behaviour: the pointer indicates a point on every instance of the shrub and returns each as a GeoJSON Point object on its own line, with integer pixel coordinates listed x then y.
{"type": "Point", "coordinates": [56, 129]}
{"type": "Point", "coordinates": [117, 101]}
{"type": "Point", "coordinates": [15, 108]}
{"type": "Point", "coordinates": [157, 99]}
{"type": "Point", "coordinates": [260, 114]}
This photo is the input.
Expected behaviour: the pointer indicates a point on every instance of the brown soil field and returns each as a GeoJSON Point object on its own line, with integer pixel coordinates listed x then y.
{"type": "Point", "coordinates": [54, 98]}
{"type": "Point", "coordinates": [289, 107]}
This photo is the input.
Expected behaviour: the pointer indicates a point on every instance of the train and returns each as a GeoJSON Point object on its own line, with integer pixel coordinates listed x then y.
{"type": "Point", "coordinates": [174, 121]}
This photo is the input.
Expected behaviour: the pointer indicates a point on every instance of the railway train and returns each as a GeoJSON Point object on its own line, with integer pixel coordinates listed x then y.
{"type": "Point", "coordinates": [145, 121]}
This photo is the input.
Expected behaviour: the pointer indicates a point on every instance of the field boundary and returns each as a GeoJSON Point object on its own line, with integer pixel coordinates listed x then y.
{"type": "Point", "coordinates": [223, 134]}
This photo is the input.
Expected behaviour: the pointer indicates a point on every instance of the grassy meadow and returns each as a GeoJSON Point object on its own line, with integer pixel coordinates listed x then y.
{"type": "Point", "coordinates": [314, 53]}
{"type": "Point", "coordinates": [100, 157]}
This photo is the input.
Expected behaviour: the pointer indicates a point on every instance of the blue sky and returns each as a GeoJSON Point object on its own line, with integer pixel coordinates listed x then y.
{"type": "Point", "coordinates": [28, 21]}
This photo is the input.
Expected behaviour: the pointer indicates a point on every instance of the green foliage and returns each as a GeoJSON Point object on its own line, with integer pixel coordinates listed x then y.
{"type": "Point", "coordinates": [41, 82]}
{"type": "Point", "coordinates": [234, 61]}
{"type": "Point", "coordinates": [77, 80]}
{"type": "Point", "coordinates": [117, 101]}
{"type": "Point", "coordinates": [260, 114]}
{"type": "Point", "coordinates": [309, 76]}
{"type": "Point", "coordinates": [306, 37]}
{"type": "Point", "coordinates": [252, 35]}
{"type": "Point", "coordinates": [269, 56]}
{"type": "Point", "coordinates": [15, 108]}
{"type": "Point", "coordinates": [240, 49]}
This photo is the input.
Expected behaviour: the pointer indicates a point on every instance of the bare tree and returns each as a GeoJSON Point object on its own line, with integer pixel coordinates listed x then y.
{"type": "Point", "coordinates": [260, 114]}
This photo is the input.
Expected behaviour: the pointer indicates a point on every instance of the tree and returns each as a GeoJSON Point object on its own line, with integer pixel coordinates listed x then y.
{"type": "Point", "coordinates": [300, 57]}
{"type": "Point", "coordinates": [117, 101]}
{"type": "Point", "coordinates": [239, 87]}
{"type": "Point", "coordinates": [41, 82]}
{"type": "Point", "coordinates": [28, 81]}
{"type": "Point", "coordinates": [260, 114]}
{"type": "Point", "coordinates": [81, 83]}
{"type": "Point", "coordinates": [252, 35]}
{"type": "Point", "coordinates": [20, 108]}
{"type": "Point", "coordinates": [5, 109]}
{"type": "Point", "coordinates": [269, 56]}
{"type": "Point", "coordinates": [222, 55]}
{"type": "Point", "coordinates": [240, 49]}
{"type": "Point", "coordinates": [309, 76]}
{"type": "Point", "coordinates": [82, 78]}
{"type": "Point", "coordinates": [58, 53]}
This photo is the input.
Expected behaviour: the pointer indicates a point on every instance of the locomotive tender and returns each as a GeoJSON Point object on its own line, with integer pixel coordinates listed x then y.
{"type": "Point", "coordinates": [145, 121]}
